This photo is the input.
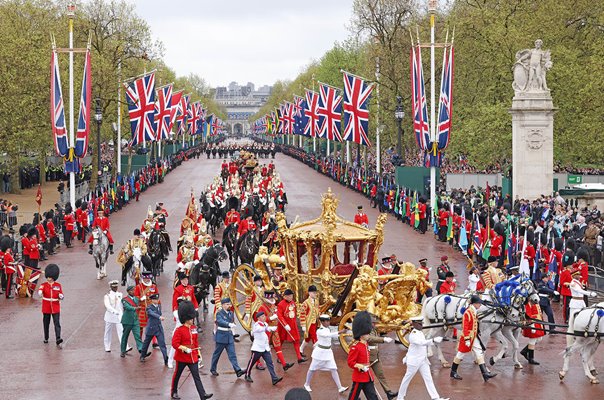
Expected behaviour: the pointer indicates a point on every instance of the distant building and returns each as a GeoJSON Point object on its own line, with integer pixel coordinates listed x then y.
{"type": "Point", "coordinates": [241, 102]}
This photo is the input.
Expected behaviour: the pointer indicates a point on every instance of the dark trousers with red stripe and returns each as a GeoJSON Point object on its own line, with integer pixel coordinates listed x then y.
{"type": "Point", "coordinates": [194, 369]}
{"type": "Point", "coordinates": [368, 388]}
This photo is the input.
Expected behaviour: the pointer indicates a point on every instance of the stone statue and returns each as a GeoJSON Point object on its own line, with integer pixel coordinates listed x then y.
{"type": "Point", "coordinates": [530, 68]}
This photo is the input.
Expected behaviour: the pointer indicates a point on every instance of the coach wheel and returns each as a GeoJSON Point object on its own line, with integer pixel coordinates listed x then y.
{"type": "Point", "coordinates": [346, 338]}
{"type": "Point", "coordinates": [239, 290]}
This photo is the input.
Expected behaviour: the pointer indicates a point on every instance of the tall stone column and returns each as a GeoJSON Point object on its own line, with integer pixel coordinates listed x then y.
{"type": "Point", "coordinates": [532, 125]}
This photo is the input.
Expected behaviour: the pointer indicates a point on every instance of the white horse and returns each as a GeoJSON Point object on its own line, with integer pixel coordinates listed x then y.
{"type": "Point", "coordinates": [443, 310]}
{"type": "Point", "coordinates": [100, 251]}
{"type": "Point", "coordinates": [508, 300]}
{"type": "Point", "coordinates": [589, 323]}
{"type": "Point", "coordinates": [136, 269]}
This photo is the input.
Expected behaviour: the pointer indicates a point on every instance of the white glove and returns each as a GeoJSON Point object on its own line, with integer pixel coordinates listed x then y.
{"type": "Point", "coordinates": [61, 297]}
{"type": "Point", "coordinates": [188, 351]}
{"type": "Point", "coordinates": [143, 298]}
{"type": "Point", "coordinates": [388, 340]}
{"type": "Point", "coordinates": [365, 369]}
{"type": "Point", "coordinates": [468, 342]}
{"type": "Point", "coordinates": [195, 262]}
{"type": "Point", "coordinates": [273, 317]}
{"type": "Point", "coordinates": [288, 328]}
{"type": "Point", "coordinates": [437, 339]}
{"type": "Point", "coordinates": [303, 329]}
{"type": "Point", "coordinates": [271, 328]}
{"type": "Point", "coordinates": [231, 325]}
{"type": "Point", "coordinates": [593, 294]}
{"type": "Point", "coordinates": [181, 266]}
{"type": "Point", "coordinates": [533, 331]}
{"type": "Point", "coordinates": [556, 293]}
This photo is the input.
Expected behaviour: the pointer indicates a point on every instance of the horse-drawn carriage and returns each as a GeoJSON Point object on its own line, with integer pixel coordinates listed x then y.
{"type": "Point", "coordinates": [339, 258]}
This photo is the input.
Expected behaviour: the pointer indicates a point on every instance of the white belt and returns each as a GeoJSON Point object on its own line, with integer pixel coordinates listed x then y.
{"type": "Point", "coordinates": [441, 280]}
{"type": "Point", "coordinates": [47, 299]}
{"type": "Point", "coordinates": [220, 328]}
{"type": "Point", "coordinates": [372, 347]}
{"type": "Point", "coordinates": [543, 295]}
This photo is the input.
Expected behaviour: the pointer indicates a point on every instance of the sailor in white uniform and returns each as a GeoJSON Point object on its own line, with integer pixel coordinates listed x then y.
{"type": "Point", "coordinates": [417, 360]}
{"type": "Point", "coordinates": [322, 355]}
{"type": "Point", "coordinates": [113, 314]}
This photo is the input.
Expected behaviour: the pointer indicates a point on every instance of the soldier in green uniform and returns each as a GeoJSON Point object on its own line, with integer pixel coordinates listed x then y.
{"type": "Point", "coordinates": [130, 322]}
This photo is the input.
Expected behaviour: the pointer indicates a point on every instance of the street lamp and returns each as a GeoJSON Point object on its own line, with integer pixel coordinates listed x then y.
{"type": "Point", "coordinates": [399, 114]}
{"type": "Point", "coordinates": [98, 115]}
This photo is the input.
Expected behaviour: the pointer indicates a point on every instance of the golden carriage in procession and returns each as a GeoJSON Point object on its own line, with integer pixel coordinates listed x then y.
{"type": "Point", "coordinates": [338, 257]}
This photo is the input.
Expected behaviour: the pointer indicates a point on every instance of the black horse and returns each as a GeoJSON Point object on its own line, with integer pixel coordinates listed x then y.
{"type": "Point", "coordinates": [157, 249]}
{"type": "Point", "coordinates": [247, 248]}
{"type": "Point", "coordinates": [229, 240]}
{"type": "Point", "coordinates": [205, 273]}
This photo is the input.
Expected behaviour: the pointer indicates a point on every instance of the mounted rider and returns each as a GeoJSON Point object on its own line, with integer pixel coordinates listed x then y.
{"type": "Point", "coordinates": [148, 223]}
{"type": "Point", "coordinates": [160, 216]}
{"type": "Point", "coordinates": [102, 222]}
{"type": "Point", "coordinates": [125, 258]}
{"type": "Point", "coordinates": [187, 254]}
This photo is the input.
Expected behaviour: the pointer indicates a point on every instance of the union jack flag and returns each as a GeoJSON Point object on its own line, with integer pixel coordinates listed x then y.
{"type": "Point", "coordinates": [175, 108]}
{"type": "Point", "coordinates": [356, 113]}
{"type": "Point", "coordinates": [81, 143]}
{"type": "Point", "coordinates": [163, 112]}
{"type": "Point", "coordinates": [216, 125]}
{"type": "Point", "coordinates": [140, 95]}
{"type": "Point", "coordinates": [445, 106]}
{"type": "Point", "coordinates": [330, 113]}
{"type": "Point", "coordinates": [311, 113]}
{"type": "Point", "coordinates": [181, 114]}
{"type": "Point", "coordinates": [418, 100]}
{"type": "Point", "coordinates": [57, 110]}
{"type": "Point", "coordinates": [280, 120]}
{"type": "Point", "coordinates": [288, 118]}
{"type": "Point", "coordinates": [27, 280]}
{"type": "Point", "coordinates": [193, 118]}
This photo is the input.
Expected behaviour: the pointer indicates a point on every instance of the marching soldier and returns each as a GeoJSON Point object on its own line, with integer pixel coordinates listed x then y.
{"type": "Point", "coordinates": [358, 359]}
{"type": "Point", "coordinates": [470, 342]}
{"type": "Point", "coordinates": [441, 271]}
{"type": "Point", "coordinates": [225, 326]}
{"type": "Point", "coordinates": [113, 314]}
{"type": "Point", "coordinates": [309, 315]}
{"type": "Point", "coordinates": [417, 360]}
{"type": "Point", "coordinates": [70, 226]}
{"type": "Point", "coordinates": [185, 341]}
{"type": "Point", "coordinates": [8, 262]}
{"type": "Point", "coordinates": [534, 332]}
{"type": "Point", "coordinates": [51, 293]}
{"type": "Point", "coordinates": [184, 291]}
{"type": "Point", "coordinates": [261, 347]}
{"type": "Point", "coordinates": [288, 331]}
{"type": "Point", "coordinates": [154, 328]}
{"type": "Point", "coordinates": [322, 355]}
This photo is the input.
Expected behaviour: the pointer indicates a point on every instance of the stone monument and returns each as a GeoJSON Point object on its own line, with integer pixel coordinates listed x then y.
{"type": "Point", "coordinates": [532, 125]}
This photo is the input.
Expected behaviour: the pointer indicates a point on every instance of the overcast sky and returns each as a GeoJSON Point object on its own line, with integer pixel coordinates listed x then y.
{"type": "Point", "coordinates": [257, 41]}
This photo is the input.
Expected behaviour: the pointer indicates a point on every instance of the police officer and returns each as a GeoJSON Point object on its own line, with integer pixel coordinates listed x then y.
{"type": "Point", "coordinates": [545, 294]}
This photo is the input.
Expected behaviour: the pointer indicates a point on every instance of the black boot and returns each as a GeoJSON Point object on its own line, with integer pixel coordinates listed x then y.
{"type": "Point", "coordinates": [524, 352]}
{"type": "Point", "coordinates": [89, 249]}
{"type": "Point", "coordinates": [486, 375]}
{"type": "Point", "coordinates": [454, 373]}
{"type": "Point", "coordinates": [111, 248]}
{"type": "Point", "coordinates": [531, 357]}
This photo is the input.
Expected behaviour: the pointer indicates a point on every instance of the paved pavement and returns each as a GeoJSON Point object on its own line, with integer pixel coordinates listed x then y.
{"type": "Point", "coordinates": [33, 370]}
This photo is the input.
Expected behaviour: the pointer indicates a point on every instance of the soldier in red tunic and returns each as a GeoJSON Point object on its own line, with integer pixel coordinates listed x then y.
{"type": "Point", "coordinates": [469, 341]}
{"type": "Point", "coordinates": [102, 222]}
{"type": "Point", "coordinates": [8, 262]}
{"type": "Point", "coordinates": [361, 218]}
{"type": "Point", "coordinates": [358, 359]}
{"type": "Point", "coordinates": [185, 291]}
{"type": "Point", "coordinates": [534, 332]}
{"type": "Point", "coordinates": [51, 293]}
{"type": "Point", "coordinates": [270, 310]}
{"type": "Point", "coordinates": [288, 331]}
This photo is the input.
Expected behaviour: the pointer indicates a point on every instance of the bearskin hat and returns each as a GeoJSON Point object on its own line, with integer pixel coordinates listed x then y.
{"type": "Point", "coordinates": [23, 229]}
{"type": "Point", "coordinates": [52, 271]}
{"type": "Point", "coordinates": [186, 311]}
{"type": "Point", "coordinates": [68, 209]}
{"type": "Point", "coordinates": [559, 244]}
{"type": "Point", "coordinates": [50, 214]}
{"type": "Point", "coordinates": [6, 242]}
{"type": "Point", "coordinates": [568, 258]}
{"type": "Point", "coordinates": [571, 245]}
{"type": "Point", "coordinates": [78, 203]}
{"type": "Point", "coordinates": [36, 220]}
{"type": "Point", "coordinates": [499, 229]}
{"type": "Point", "coordinates": [583, 254]}
{"type": "Point", "coordinates": [32, 231]}
{"type": "Point", "coordinates": [233, 202]}
{"type": "Point", "coordinates": [530, 237]}
{"type": "Point", "coordinates": [84, 206]}
{"type": "Point", "coordinates": [361, 324]}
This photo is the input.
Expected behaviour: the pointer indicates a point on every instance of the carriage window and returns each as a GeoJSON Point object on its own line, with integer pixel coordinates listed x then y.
{"type": "Point", "coordinates": [303, 261]}
{"type": "Point", "coordinates": [370, 254]}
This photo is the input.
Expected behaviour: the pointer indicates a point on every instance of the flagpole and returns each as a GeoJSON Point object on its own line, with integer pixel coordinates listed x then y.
{"type": "Point", "coordinates": [377, 118]}
{"type": "Point", "coordinates": [312, 130]}
{"type": "Point", "coordinates": [432, 10]}
{"type": "Point", "coordinates": [119, 116]}
{"type": "Point", "coordinates": [71, 14]}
